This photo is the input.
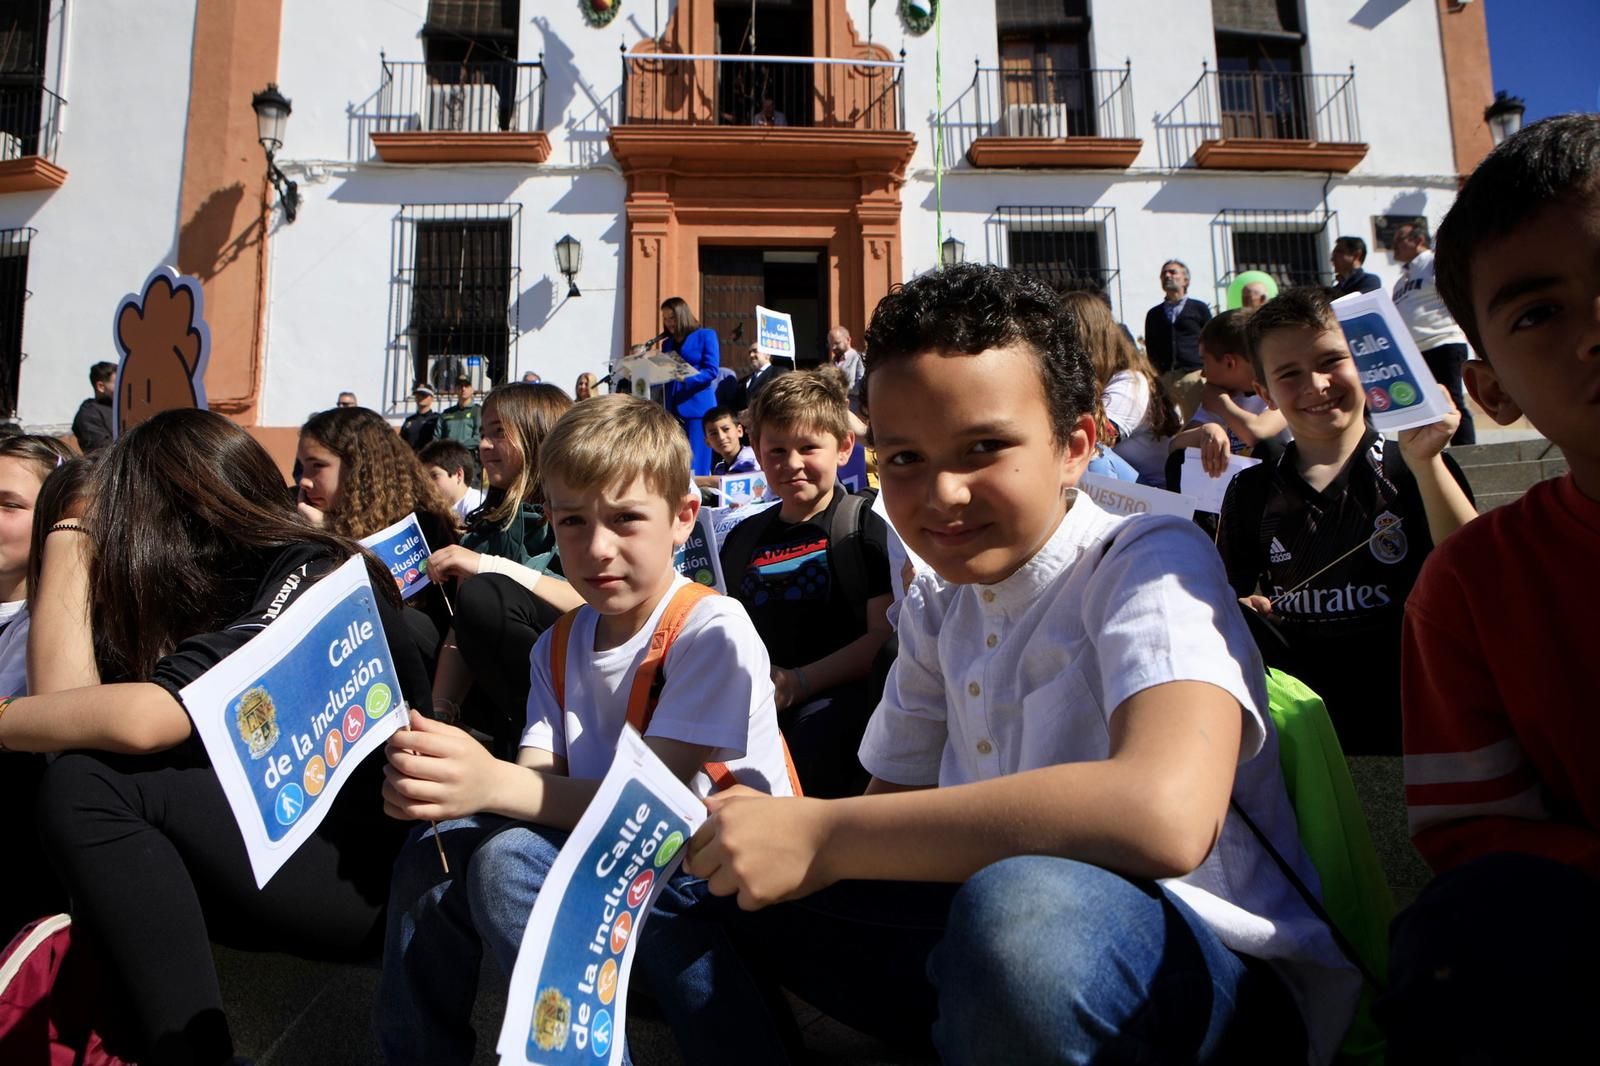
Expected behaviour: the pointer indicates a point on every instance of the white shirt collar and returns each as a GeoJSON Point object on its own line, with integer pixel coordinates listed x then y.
{"type": "Point", "coordinates": [1076, 532]}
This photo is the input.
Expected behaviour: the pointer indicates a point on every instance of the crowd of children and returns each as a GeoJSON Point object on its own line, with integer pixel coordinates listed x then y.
{"type": "Point", "coordinates": [1022, 802]}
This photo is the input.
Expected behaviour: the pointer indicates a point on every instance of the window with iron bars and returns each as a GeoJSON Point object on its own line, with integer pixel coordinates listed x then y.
{"type": "Point", "coordinates": [1288, 245]}
{"type": "Point", "coordinates": [456, 274]}
{"type": "Point", "coordinates": [13, 297]}
{"type": "Point", "coordinates": [1067, 248]}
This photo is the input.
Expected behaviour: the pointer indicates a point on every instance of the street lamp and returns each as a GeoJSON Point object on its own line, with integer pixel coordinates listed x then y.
{"type": "Point", "coordinates": [272, 114]}
{"type": "Point", "coordinates": [1504, 117]}
{"type": "Point", "coordinates": [569, 260]}
{"type": "Point", "coordinates": [952, 251]}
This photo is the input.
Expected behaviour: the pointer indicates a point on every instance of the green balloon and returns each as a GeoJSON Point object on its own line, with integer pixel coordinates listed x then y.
{"type": "Point", "coordinates": [1249, 277]}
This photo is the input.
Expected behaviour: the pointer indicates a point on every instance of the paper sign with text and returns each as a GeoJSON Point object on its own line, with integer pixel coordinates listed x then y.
{"type": "Point", "coordinates": [774, 333]}
{"type": "Point", "coordinates": [853, 474]}
{"type": "Point", "coordinates": [736, 490]}
{"type": "Point", "coordinates": [288, 717]}
{"type": "Point", "coordinates": [1401, 391]}
{"type": "Point", "coordinates": [1205, 491]}
{"type": "Point", "coordinates": [724, 519]}
{"type": "Point", "coordinates": [698, 560]}
{"type": "Point", "coordinates": [904, 564]}
{"type": "Point", "coordinates": [569, 988]}
{"type": "Point", "coordinates": [404, 550]}
{"type": "Point", "coordinates": [1129, 497]}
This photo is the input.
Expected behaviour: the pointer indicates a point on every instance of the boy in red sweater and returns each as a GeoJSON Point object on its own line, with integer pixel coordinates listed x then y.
{"type": "Point", "coordinates": [1495, 962]}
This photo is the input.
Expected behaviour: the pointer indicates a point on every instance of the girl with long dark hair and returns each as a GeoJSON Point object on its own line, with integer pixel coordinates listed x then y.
{"type": "Point", "coordinates": [190, 546]}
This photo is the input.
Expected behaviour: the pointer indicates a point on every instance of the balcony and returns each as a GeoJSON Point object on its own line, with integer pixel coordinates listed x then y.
{"type": "Point", "coordinates": [1265, 120]}
{"type": "Point", "coordinates": [30, 127]}
{"type": "Point", "coordinates": [1041, 117]}
{"type": "Point", "coordinates": [461, 113]}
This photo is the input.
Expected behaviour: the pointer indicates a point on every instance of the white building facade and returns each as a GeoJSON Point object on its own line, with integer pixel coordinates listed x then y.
{"type": "Point", "coordinates": [441, 149]}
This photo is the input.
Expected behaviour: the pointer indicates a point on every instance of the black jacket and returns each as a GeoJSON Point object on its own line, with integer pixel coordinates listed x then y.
{"type": "Point", "coordinates": [421, 429]}
{"type": "Point", "coordinates": [92, 425]}
{"type": "Point", "coordinates": [1175, 345]}
{"type": "Point", "coordinates": [1357, 281]}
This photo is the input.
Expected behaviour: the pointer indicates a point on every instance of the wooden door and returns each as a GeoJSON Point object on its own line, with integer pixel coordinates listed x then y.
{"type": "Point", "coordinates": [731, 284]}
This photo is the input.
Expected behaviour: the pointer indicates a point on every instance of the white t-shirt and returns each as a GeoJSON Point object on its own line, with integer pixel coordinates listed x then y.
{"type": "Point", "coordinates": [468, 503]}
{"type": "Point", "coordinates": [1251, 402]}
{"type": "Point", "coordinates": [14, 648]}
{"type": "Point", "coordinates": [1127, 402]}
{"type": "Point", "coordinates": [718, 693]}
{"type": "Point", "coordinates": [998, 679]}
{"type": "Point", "coordinates": [1417, 298]}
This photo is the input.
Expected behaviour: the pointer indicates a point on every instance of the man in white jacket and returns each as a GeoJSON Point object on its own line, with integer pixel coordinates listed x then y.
{"type": "Point", "coordinates": [1440, 340]}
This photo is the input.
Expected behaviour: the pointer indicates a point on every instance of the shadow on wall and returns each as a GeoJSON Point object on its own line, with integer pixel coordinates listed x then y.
{"type": "Point", "coordinates": [487, 185]}
{"type": "Point", "coordinates": [566, 91]}
{"type": "Point", "coordinates": [365, 118]}
{"type": "Point", "coordinates": [1373, 12]}
{"type": "Point", "coordinates": [1199, 195]}
{"type": "Point", "coordinates": [536, 304]}
{"type": "Point", "coordinates": [205, 246]}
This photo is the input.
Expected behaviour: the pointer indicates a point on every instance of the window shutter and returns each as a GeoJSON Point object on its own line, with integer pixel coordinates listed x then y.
{"type": "Point", "coordinates": [1270, 17]}
{"type": "Point", "coordinates": [1018, 17]}
{"type": "Point", "coordinates": [473, 18]}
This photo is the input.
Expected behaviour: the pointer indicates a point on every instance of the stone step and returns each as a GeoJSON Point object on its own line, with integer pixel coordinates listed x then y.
{"type": "Point", "coordinates": [1513, 451]}
{"type": "Point", "coordinates": [1494, 478]}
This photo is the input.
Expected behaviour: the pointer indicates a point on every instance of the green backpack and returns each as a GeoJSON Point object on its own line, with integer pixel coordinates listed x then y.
{"type": "Point", "coordinates": [1356, 902]}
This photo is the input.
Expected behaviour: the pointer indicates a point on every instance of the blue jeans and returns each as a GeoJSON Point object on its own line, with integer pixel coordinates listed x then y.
{"type": "Point", "coordinates": [1495, 963]}
{"type": "Point", "coordinates": [439, 924]}
{"type": "Point", "coordinates": [1036, 960]}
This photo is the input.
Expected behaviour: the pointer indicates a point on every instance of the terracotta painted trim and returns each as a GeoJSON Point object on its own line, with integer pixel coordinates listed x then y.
{"type": "Point", "coordinates": [30, 173]}
{"type": "Point", "coordinates": [835, 190]}
{"type": "Point", "coordinates": [281, 442]}
{"type": "Point", "coordinates": [1278, 155]}
{"type": "Point", "coordinates": [225, 204]}
{"type": "Point", "coordinates": [754, 150]}
{"type": "Point", "coordinates": [462, 147]}
{"type": "Point", "coordinates": [1468, 81]}
{"type": "Point", "coordinates": [1061, 152]}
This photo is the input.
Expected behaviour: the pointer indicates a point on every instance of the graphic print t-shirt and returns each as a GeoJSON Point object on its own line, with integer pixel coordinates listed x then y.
{"type": "Point", "coordinates": [791, 592]}
{"type": "Point", "coordinates": [1338, 565]}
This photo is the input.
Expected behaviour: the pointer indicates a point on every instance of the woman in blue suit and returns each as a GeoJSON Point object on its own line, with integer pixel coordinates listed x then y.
{"type": "Point", "coordinates": [696, 394]}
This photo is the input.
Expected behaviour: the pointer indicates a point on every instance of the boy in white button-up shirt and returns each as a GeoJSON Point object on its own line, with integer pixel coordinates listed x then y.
{"type": "Point", "coordinates": [1048, 833]}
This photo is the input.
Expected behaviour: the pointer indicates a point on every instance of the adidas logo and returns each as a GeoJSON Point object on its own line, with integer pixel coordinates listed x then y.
{"type": "Point", "coordinates": [1279, 553]}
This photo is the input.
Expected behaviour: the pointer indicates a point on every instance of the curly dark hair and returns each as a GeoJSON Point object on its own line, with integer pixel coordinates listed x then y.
{"type": "Point", "coordinates": [970, 308]}
{"type": "Point", "coordinates": [1552, 160]}
{"type": "Point", "coordinates": [380, 481]}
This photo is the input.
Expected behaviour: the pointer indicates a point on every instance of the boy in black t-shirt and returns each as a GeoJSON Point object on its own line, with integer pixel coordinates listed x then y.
{"type": "Point", "coordinates": [814, 574]}
{"type": "Point", "coordinates": [1326, 542]}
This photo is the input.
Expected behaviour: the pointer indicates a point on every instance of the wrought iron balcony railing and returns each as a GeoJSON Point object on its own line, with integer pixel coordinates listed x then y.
{"type": "Point", "coordinates": [763, 91]}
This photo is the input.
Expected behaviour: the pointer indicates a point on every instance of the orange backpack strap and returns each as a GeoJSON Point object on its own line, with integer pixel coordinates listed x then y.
{"type": "Point", "coordinates": [650, 678]}
{"type": "Point", "coordinates": [560, 634]}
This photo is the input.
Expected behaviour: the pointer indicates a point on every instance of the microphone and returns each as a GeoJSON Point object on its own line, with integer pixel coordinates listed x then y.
{"type": "Point", "coordinates": [657, 339]}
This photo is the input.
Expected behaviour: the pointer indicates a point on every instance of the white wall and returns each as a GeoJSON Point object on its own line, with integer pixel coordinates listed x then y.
{"type": "Point", "coordinates": [330, 317]}
{"type": "Point", "coordinates": [329, 321]}
{"type": "Point", "coordinates": [115, 219]}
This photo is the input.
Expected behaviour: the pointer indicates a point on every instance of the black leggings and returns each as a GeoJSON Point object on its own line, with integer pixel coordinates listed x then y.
{"type": "Point", "coordinates": [497, 623]}
{"type": "Point", "coordinates": [1446, 362]}
{"type": "Point", "coordinates": [156, 868]}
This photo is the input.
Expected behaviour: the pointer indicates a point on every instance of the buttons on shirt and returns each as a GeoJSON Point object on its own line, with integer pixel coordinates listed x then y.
{"type": "Point", "coordinates": [988, 595]}
{"type": "Point", "coordinates": [984, 747]}
{"type": "Point", "coordinates": [991, 640]}
{"type": "Point", "coordinates": [973, 689]}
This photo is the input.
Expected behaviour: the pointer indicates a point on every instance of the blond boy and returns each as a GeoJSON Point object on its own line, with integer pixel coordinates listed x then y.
{"type": "Point", "coordinates": [616, 473]}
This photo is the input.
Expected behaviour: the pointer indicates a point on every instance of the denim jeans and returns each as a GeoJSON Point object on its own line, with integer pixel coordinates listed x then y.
{"type": "Point", "coordinates": [1446, 362]}
{"type": "Point", "coordinates": [439, 924]}
{"type": "Point", "coordinates": [1036, 960]}
{"type": "Point", "coordinates": [1495, 963]}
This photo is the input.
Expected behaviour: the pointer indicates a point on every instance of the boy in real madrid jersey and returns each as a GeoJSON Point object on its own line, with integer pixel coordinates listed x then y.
{"type": "Point", "coordinates": [1327, 541]}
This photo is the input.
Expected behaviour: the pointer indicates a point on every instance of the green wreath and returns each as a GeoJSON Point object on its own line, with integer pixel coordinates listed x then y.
{"type": "Point", "coordinates": [599, 12]}
{"type": "Point", "coordinates": [918, 15]}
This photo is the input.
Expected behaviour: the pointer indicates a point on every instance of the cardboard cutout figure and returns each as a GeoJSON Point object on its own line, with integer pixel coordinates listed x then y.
{"type": "Point", "coordinates": [165, 343]}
